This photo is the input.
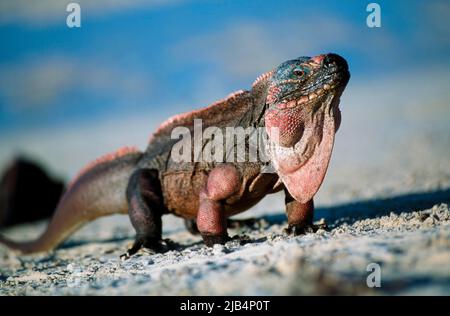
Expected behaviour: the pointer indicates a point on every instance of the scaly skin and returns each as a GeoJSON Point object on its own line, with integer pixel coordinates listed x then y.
{"type": "Point", "coordinates": [300, 98]}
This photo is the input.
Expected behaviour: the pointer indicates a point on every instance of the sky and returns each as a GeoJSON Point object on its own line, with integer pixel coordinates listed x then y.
{"type": "Point", "coordinates": [133, 63]}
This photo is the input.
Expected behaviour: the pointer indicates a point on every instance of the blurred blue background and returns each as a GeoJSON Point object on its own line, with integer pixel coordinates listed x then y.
{"type": "Point", "coordinates": [68, 95]}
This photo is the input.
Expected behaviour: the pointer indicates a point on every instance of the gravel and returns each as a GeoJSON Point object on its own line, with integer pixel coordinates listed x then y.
{"type": "Point", "coordinates": [411, 248]}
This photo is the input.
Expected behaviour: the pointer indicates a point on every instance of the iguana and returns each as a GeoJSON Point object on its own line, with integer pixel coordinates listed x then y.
{"type": "Point", "coordinates": [299, 99]}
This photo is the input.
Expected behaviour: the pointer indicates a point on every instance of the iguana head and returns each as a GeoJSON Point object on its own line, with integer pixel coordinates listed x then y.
{"type": "Point", "coordinates": [302, 117]}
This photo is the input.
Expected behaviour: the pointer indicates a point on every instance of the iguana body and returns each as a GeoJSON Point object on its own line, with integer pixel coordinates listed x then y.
{"type": "Point", "coordinates": [300, 98]}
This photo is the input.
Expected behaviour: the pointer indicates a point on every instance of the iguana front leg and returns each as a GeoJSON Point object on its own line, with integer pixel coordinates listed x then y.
{"type": "Point", "coordinates": [300, 216]}
{"type": "Point", "coordinates": [223, 182]}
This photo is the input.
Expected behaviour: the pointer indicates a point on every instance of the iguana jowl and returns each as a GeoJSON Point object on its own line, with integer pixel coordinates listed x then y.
{"type": "Point", "coordinates": [300, 98]}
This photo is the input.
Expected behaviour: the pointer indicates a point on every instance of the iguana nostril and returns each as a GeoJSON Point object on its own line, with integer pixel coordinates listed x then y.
{"type": "Point", "coordinates": [318, 59]}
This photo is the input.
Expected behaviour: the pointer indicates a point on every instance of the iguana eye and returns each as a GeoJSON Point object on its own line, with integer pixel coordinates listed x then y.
{"type": "Point", "coordinates": [298, 72]}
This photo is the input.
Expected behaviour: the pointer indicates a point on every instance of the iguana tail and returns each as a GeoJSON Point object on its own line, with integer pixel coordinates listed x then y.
{"type": "Point", "coordinates": [99, 190]}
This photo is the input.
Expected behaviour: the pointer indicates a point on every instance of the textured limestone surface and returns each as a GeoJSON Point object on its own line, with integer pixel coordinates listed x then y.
{"type": "Point", "coordinates": [408, 236]}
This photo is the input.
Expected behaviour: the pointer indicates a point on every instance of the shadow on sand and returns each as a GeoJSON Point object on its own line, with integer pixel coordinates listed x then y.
{"type": "Point", "coordinates": [358, 210]}
{"type": "Point", "coordinates": [333, 215]}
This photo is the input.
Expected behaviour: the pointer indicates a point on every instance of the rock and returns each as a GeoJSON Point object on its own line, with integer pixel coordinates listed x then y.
{"type": "Point", "coordinates": [20, 200]}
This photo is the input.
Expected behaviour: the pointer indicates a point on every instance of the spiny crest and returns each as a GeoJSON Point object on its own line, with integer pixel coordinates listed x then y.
{"type": "Point", "coordinates": [121, 152]}
{"type": "Point", "coordinates": [262, 77]}
{"type": "Point", "coordinates": [186, 119]}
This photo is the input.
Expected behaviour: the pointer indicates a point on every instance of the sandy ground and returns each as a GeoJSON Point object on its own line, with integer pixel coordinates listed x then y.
{"type": "Point", "coordinates": [407, 234]}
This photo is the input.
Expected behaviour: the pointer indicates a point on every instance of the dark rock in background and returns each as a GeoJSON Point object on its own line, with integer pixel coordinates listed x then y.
{"type": "Point", "coordinates": [27, 193]}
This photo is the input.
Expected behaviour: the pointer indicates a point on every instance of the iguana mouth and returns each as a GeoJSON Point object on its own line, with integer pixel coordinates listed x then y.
{"type": "Point", "coordinates": [319, 90]}
{"type": "Point", "coordinates": [306, 99]}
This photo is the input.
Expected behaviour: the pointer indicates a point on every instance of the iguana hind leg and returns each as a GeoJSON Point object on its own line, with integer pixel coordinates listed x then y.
{"type": "Point", "coordinates": [146, 207]}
